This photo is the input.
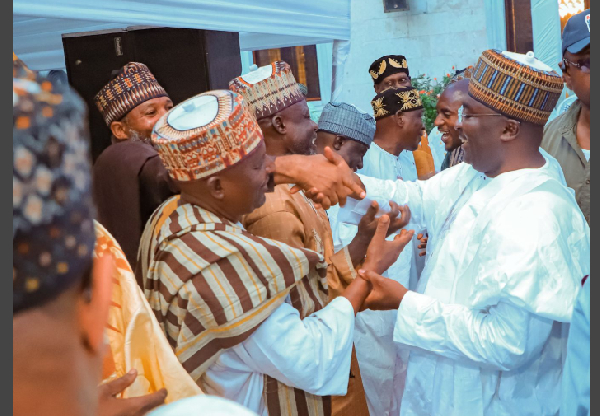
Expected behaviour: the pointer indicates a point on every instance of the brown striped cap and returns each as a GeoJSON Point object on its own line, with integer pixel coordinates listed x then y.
{"type": "Point", "coordinates": [515, 85]}
{"type": "Point", "coordinates": [132, 86]}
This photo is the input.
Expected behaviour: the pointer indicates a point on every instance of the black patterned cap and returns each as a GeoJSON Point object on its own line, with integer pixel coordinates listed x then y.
{"type": "Point", "coordinates": [386, 66]}
{"type": "Point", "coordinates": [392, 100]}
{"type": "Point", "coordinates": [53, 235]}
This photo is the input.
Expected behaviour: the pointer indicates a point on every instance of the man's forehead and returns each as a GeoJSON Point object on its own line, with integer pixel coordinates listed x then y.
{"type": "Point", "coordinates": [583, 53]}
{"type": "Point", "coordinates": [398, 75]}
{"type": "Point", "coordinates": [154, 101]}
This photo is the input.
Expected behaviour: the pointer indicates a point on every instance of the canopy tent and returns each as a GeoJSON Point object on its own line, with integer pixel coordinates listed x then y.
{"type": "Point", "coordinates": [263, 24]}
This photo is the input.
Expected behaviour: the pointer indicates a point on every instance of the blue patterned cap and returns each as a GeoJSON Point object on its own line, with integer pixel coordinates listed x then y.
{"type": "Point", "coordinates": [53, 234]}
{"type": "Point", "coordinates": [346, 120]}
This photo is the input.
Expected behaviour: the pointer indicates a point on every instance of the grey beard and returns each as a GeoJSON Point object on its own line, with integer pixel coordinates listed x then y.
{"type": "Point", "coordinates": [136, 136]}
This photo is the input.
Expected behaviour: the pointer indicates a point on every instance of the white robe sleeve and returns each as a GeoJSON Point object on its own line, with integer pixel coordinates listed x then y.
{"type": "Point", "coordinates": [503, 338]}
{"type": "Point", "coordinates": [312, 354]}
{"type": "Point", "coordinates": [422, 197]}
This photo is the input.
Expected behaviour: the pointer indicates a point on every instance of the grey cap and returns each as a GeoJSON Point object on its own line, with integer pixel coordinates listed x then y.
{"type": "Point", "coordinates": [576, 35]}
{"type": "Point", "coordinates": [348, 121]}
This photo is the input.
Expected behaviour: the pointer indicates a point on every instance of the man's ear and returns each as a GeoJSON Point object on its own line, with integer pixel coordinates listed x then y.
{"type": "Point", "coordinates": [278, 124]}
{"type": "Point", "coordinates": [119, 130]}
{"type": "Point", "coordinates": [215, 187]}
{"type": "Point", "coordinates": [94, 303]}
{"type": "Point", "coordinates": [338, 142]}
{"type": "Point", "coordinates": [511, 131]}
{"type": "Point", "coordinates": [399, 117]}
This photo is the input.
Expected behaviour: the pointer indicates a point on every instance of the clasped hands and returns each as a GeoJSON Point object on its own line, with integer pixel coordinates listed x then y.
{"type": "Point", "coordinates": [384, 293]}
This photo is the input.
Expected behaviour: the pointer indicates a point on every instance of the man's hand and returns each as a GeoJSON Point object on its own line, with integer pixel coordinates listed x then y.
{"type": "Point", "coordinates": [423, 246]}
{"type": "Point", "coordinates": [327, 180]}
{"type": "Point", "coordinates": [399, 217]}
{"type": "Point", "coordinates": [381, 253]}
{"type": "Point", "coordinates": [386, 294]}
{"type": "Point", "coordinates": [110, 405]}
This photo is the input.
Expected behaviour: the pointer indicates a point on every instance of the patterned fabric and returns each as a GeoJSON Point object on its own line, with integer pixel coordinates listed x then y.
{"type": "Point", "coordinates": [346, 120]}
{"type": "Point", "coordinates": [386, 66]}
{"type": "Point", "coordinates": [392, 100]}
{"type": "Point", "coordinates": [53, 235]}
{"type": "Point", "coordinates": [200, 151]}
{"type": "Point", "coordinates": [453, 158]}
{"type": "Point", "coordinates": [268, 90]}
{"type": "Point", "coordinates": [211, 284]}
{"type": "Point", "coordinates": [303, 89]}
{"type": "Point", "coordinates": [293, 219]}
{"type": "Point", "coordinates": [515, 89]}
{"type": "Point", "coordinates": [134, 336]}
{"type": "Point", "coordinates": [134, 85]}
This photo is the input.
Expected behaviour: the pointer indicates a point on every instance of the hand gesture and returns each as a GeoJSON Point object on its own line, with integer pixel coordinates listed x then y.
{"type": "Point", "coordinates": [381, 253]}
{"type": "Point", "coordinates": [328, 181]}
{"type": "Point", "coordinates": [386, 294]}
{"type": "Point", "coordinates": [423, 246]}
{"type": "Point", "coordinates": [110, 405]}
{"type": "Point", "coordinates": [399, 217]}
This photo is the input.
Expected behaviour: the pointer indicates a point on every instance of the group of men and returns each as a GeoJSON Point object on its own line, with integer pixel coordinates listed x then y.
{"type": "Point", "coordinates": [284, 261]}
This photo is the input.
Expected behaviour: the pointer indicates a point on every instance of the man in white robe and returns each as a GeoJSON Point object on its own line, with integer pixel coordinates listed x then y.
{"type": "Point", "coordinates": [508, 248]}
{"type": "Point", "coordinates": [398, 132]}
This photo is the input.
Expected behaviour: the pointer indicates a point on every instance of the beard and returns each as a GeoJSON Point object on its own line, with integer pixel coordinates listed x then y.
{"type": "Point", "coordinates": [138, 136]}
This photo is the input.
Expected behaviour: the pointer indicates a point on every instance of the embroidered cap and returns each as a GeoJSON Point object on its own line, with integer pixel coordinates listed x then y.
{"type": "Point", "coordinates": [346, 120]}
{"type": "Point", "coordinates": [205, 135]}
{"type": "Point", "coordinates": [386, 66]}
{"type": "Point", "coordinates": [515, 85]}
{"type": "Point", "coordinates": [269, 89]}
{"type": "Point", "coordinates": [133, 85]}
{"type": "Point", "coordinates": [53, 235]}
{"type": "Point", "coordinates": [392, 100]}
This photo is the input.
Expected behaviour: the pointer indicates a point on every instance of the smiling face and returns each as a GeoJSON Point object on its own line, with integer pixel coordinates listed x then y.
{"type": "Point", "coordinates": [447, 113]}
{"type": "Point", "coordinates": [242, 196]}
{"type": "Point", "coordinates": [398, 80]}
{"type": "Point", "coordinates": [300, 129]}
{"type": "Point", "coordinates": [138, 123]}
{"type": "Point", "coordinates": [480, 130]}
{"type": "Point", "coordinates": [352, 151]}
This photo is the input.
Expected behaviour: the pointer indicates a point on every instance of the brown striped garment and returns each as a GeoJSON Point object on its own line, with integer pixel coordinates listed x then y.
{"type": "Point", "coordinates": [211, 284]}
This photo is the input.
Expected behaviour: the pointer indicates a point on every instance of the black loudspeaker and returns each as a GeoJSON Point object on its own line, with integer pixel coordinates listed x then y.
{"type": "Point", "coordinates": [185, 62]}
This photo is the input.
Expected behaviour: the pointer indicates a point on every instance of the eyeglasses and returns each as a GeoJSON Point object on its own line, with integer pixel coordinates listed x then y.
{"type": "Point", "coordinates": [584, 65]}
{"type": "Point", "coordinates": [462, 116]}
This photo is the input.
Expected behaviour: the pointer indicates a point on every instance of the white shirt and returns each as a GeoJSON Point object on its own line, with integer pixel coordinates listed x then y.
{"type": "Point", "coordinates": [312, 354]}
{"type": "Point", "coordinates": [505, 261]}
{"type": "Point", "coordinates": [382, 370]}
{"type": "Point", "coordinates": [586, 153]}
{"type": "Point", "coordinates": [576, 375]}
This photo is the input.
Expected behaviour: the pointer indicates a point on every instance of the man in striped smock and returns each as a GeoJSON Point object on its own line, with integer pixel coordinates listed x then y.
{"type": "Point", "coordinates": [246, 315]}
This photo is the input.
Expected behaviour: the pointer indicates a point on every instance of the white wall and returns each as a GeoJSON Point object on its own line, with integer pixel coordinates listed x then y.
{"type": "Point", "coordinates": [434, 35]}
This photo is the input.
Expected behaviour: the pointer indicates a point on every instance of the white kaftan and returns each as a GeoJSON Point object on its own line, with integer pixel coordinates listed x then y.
{"type": "Point", "coordinates": [383, 371]}
{"type": "Point", "coordinates": [312, 354]}
{"type": "Point", "coordinates": [487, 326]}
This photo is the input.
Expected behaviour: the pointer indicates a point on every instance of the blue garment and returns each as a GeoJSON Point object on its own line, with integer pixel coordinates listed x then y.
{"type": "Point", "coordinates": [576, 374]}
